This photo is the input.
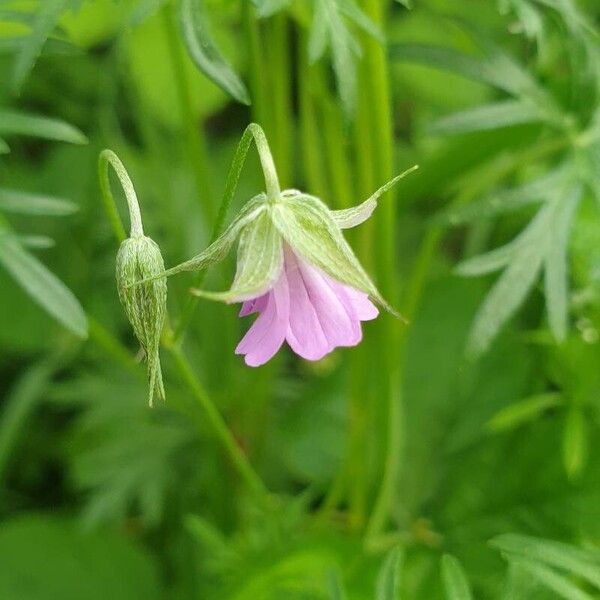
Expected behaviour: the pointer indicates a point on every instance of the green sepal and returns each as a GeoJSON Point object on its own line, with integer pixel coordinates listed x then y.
{"type": "Point", "coordinates": [219, 249]}
{"type": "Point", "coordinates": [308, 226]}
{"type": "Point", "coordinates": [145, 305]}
{"type": "Point", "coordinates": [260, 261]}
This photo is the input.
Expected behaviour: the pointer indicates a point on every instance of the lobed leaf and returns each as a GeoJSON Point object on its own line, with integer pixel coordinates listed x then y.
{"type": "Point", "coordinates": [195, 29]}
{"type": "Point", "coordinates": [505, 113]}
{"type": "Point", "coordinates": [42, 285]}
{"type": "Point", "coordinates": [45, 21]}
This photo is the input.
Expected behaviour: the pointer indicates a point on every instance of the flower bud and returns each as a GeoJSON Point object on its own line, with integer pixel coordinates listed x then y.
{"type": "Point", "coordinates": [145, 305]}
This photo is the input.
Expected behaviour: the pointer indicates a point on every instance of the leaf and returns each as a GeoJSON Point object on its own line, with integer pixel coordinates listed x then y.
{"type": "Point", "coordinates": [543, 188]}
{"type": "Point", "coordinates": [498, 70]}
{"type": "Point", "coordinates": [388, 579]}
{"type": "Point", "coordinates": [523, 411]}
{"type": "Point", "coordinates": [489, 116]}
{"type": "Point", "coordinates": [490, 261]}
{"type": "Point", "coordinates": [307, 226]}
{"type": "Point", "coordinates": [406, 3]}
{"type": "Point", "coordinates": [143, 10]}
{"type": "Point", "coordinates": [336, 586]}
{"type": "Point", "coordinates": [4, 148]}
{"type": "Point", "coordinates": [46, 19]}
{"type": "Point", "coordinates": [45, 558]}
{"type": "Point", "coordinates": [553, 581]}
{"type": "Point", "coordinates": [39, 242]}
{"type": "Point", "coordinates": [195, 29]}
{"type": "Point", "coordinates": [42, 285]}
{"type": "Point", "coordinates": [576, 561]}
{"type": "Point", "coordinates": [260, 260]}
{"type": "Point", "coordinates": [351, 217]}
{"type": "Point", "coordinates": [575, 444]}
{"type": "Point", "coordinates": [34, 204]}
{"type": "Point", "coordinates": [455, 581]}
{"type": "Point", "coordinates": [20, 123]}
{"type": "Point", "coordinates": [268, 8]}
{"type": "Point", "coordinates": [329, 30]}
{"type": "Point", "coordinates": [555, 264]}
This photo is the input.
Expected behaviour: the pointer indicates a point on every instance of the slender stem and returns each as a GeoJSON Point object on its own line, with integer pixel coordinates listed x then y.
{"type": "Point", "coordinates": [214, 418]}
{"type": "Point", "coordinates": [196, 142]}
{"type": "Point", "coordinates": [106, 158]}
{"type": "Point", "coordinates": [218, 426]}
{"type": "Point", "coordinates": [253, 131]}
{"type": "Point", "coordinates": [258, 85]}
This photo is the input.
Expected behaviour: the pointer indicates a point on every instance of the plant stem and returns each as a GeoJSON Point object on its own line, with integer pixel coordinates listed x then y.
{"type": "Point", "coordinates": [196, 141]}
{"type": "Point", "coordinates": [113, 347]}
{"type": "Point", "coordinates": [254, 48]}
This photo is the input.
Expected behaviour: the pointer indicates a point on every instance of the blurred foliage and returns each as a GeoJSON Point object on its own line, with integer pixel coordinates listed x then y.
{"type": "Point", "coordinates": [498, 489]}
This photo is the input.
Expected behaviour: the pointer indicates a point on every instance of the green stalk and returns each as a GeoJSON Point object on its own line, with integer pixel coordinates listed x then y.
{"type": "Point", "coordinates": [388, 356]}
{"type": "Point", "coordinates": [309, 128]}
{"type": "Point", "coordinates": [258, 86]}
{"type": "Point", "coordinates": [196, 141]}
{"type": "Point", "coordinates": [215, 419]}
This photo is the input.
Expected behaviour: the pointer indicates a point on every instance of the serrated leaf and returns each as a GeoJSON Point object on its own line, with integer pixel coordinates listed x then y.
{"type": "Point", "coordinates": [17, 201]}
{"type": "Point", "coordinates": [574, 560]}
{"type": "Point", "coordinates": [222, 245]}
{"type": "Point", "coordinates": [455, 580]}
{"type": "Point", "coordinates": [575, 445]}
{"type": "Point", "coordinates": [46, 19]}
{"type": "Point", "coordinates": [489, 116]}
{"type": "Point", "coordinates": [556, 282]}
{"type": "Point", "coordinates": [559, 584]}
{"type": "Point", "coordinates": [260, 260]}
{"type": "Point", "coordinates": [19, 123]}
{"type": "Point", "coordinates": [523, 411]}
{"type": "Point", "coordinates": [42, 285]}
{"type": "Point", "coordinates": [307, 226]}
{"type": "Point", "coordinates": [388, 578]}
{"type": "Point", "coordinates": [195, 29]}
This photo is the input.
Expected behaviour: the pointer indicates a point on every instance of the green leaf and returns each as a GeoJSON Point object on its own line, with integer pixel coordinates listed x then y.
{"type": "Point", "coordinates": [553, 581]}
{"type": "Point", "coordinates": [34, 204]}
{"type": "Point", "coordinates": [42, 285]}
{"type": "Point", "coordinates": [39, 242]}
{"type": "Point", "coordinates": [489, 116]}
{"type": "Point", "coordinates": [523, 411]}
{"type": "Point", "coordinates": [46, 19]}
{"type": "Point", "coordinates": [145, 9]}
{"type": "Point", "coordinates": [308, 227]}
{"type": "Point", "coordinates": [497, 70]}
{"type": "Point", "coordinates": [455, 580]}
{"type": "Point", "coordinates": [543, 188]}
{"type": "Point", "coordinates": [219, 249]}
{"type": "Point", "coordinates": [490, 261]}
{"type": "Point", "coordinates": [406, 3]}
{"type": "Point", "coordinates": [576, 561]}
{"type": "Point", "coordinates": [388, 578]}
{"type": "Point", "coordinates": [556, 278]}
{"type": "Point", "coordinates": [4, 148]}
{"type": "Point", "coordinates": [45, 558]}
{"type": "Point", "coordinates": [268, 8]}
{"type": "Point", "coordinates": [336, 586]}
{"type": "Point", "coordinates": [20, 123]}
{"type": "Point", "coordinates": [195, 29]}
{"type": "Point", "coordinates": [260, 260]}
{"type": "Point", "coordinates": [575, 444]}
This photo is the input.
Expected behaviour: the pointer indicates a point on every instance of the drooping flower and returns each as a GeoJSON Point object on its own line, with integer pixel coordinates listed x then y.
{"type": "Point", "coordinates": [295, 269]}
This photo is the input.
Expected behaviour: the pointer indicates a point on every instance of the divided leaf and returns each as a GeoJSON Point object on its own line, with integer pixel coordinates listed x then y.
{"type": "Point", "coordinates": [195, 29]}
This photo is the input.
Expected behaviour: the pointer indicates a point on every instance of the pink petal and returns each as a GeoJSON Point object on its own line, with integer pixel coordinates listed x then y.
{"type": "Point", "coordinates": [364, 309]}
{"type": "Point", "coordinates": [305, 334]}
{"type": "Point", "coordinates": [255, 305]}
{"type": "Point", "coordinates": [267, 333]}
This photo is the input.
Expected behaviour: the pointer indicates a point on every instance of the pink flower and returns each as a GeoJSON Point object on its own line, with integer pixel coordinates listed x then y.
{"type": "Point", "coordinates": [306, 308]}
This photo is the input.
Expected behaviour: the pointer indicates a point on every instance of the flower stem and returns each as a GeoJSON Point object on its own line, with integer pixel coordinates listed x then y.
{"type": "Point", "coordinates": [106, 158]}
{"type": "Point", "coordinates": [103, 338]}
